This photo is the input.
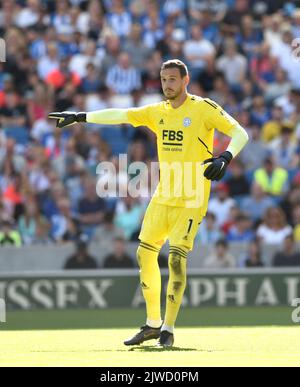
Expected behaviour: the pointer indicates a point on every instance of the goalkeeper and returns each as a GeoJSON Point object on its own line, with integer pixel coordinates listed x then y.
{"type": "Point", "coordinates": [184, 126]}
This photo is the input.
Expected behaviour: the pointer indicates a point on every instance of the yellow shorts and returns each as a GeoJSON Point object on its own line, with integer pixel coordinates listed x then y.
{"type": "Point", "coordinates": [177, 224]}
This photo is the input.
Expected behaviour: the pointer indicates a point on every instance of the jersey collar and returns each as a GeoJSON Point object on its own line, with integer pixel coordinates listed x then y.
{"type": "Point", "coordinates": [169, 105]}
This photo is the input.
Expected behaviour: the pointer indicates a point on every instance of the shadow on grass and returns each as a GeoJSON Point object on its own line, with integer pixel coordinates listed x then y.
{"type": "Point", "coordinates": [140, 348]}
{"type": "Point", "coordinates": [153, 348]}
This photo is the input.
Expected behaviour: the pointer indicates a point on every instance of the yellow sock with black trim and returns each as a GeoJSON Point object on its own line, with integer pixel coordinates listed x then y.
{"type": "Point", "coordinates": [150, 279]}
{"type": "Point", "coordinates": [176, 284]}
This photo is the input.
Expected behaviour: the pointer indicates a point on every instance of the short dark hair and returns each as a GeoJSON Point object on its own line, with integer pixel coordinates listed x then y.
{"type": "Point", "coordinates": [222, 242]}
{"type": "Point", "coordinates": [175, 64]}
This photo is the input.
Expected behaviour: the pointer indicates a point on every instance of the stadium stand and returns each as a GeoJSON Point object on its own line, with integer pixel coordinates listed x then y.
{"type": "Point", "coordinates": [86, 55]}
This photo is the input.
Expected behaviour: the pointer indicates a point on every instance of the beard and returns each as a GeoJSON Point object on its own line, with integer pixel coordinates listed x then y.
{"type": "Point", "coordinates": [171, 95]}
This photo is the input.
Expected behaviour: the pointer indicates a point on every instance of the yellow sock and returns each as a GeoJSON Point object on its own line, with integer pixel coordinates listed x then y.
{"type": "Point", "coordinates": [176, 284]}
{"type": "Point", "coordinates": [150, 279]}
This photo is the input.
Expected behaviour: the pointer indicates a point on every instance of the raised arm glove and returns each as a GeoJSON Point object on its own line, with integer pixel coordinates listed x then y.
{"type": "Point", "coordinates": [67, 118]}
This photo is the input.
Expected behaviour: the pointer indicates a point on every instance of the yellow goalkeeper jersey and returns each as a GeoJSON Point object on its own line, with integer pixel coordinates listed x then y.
{"type": "Point", "coordinates": [184, 141]}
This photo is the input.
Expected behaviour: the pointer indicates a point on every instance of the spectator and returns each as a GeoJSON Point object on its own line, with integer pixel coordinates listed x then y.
{"type": "Point", "coordinates": [262, 67]}
{"type": "Point", "coordinates": [237, 182]}
{"type": "Point", "coordinates": [274, 228]}
{"type": "Point", "coordinates": [114, 174]}
{"type": "Point", "coordinates": [220, 89]}
{"type": "Point", "coordinates": [271, 129]}
{"type": "Point", "coordinates": [289, 255]}
{"type": "Point", "coordinates": [282, 52]}
{"type": "Point", "coordinates": [9, 236]}
{"type": "Point", "coordinates": [81, 259]}
{"type": "Point", "coordinates": [58, 77]}
{"type": "Point", "coordinates": [199, 52]}
{"type": "Point", "coordinates": [233, 65]}
{"type": "Point", "coordinates": [283, 148]}
{"type": "Point", "coordinates": [123, 78]}
{"type": "Point", "coordinates": [13, 114]}
{"type": "Point", "coordinates": [128, 216]}
{"type": "Point", "coordinates": [272, 34]}
{"type": "Point", "coordinates": [70, 163]}
{"type": "Point", "coordinates": [106, 233]}
{"type": "Point", "coordinates": [49, 62]}
{"type": "Point", "coordinates": [256, 204]}
{"type": "Point", "coordinates": [28, 16]}
{"type": "Point", "coordinates": [138, 152]}
{"type": "Point", "coordinates": [136, 48]}
{"type": "Point", "coordinates": [250, 38]}
{"type": "Point", "coordinates": [259, 112]}
{"type": "Point", "coordinates": [210, 26]}
{"type": "Point", "coordinates": [119, 18]}
{"type": "Point", "coordinates": [91, 208]}
{"type": "Point", "coordinates": [64, 222]}
{"type": "Point", "coordinates": [78, 63]}
{"type": "Point", "coordinates": [61, 19]}
{"type": "Point", "coordinates": [290, 201]}
{"type": "Point", "coordinates": [151, 74]}
{"type": "Point", "coordinates": [10, 159]}
{"type": "Point", "coordinates": [152, 25]}
{"type": "Point", "coordinates": [13, 192]}
{"type": "Point", "coordinates": [91, 82]}
{"type": "Point", "coordinates": [37, 169]}
{"type": "Point", "coordinates": [234, 16]}
{"type": "Point", "coordinates": [112, 52]}
{"type": "Point", "coordinates": [176, 44]}
{"type": "Point", "coordinates": [38, 104]}
{"type": "Point", "coordinates": [119, 258]}
{"type": "Point", "coordinates": [92, 22]}
{"type": "Point", "coordinates": [221, 204]}
{"type": "Point", "coordinates": [33, 227]}
{"type": "Point", "coordinates": [220, 258]}
{"type": "Point", "coordinates": [208, 232]}
{"type": "Point", "coordinates": [162, 45]}
{"type": "Point", "coordinates": [216, 8]}
{"type": "Point", "coordinates": [253, 256]}
{"type": "Point", "coordinates": [241, 231]}
{"type": "Point", "coordinates": [273, 180]}
{"type": "Point", "coordinates": [296, 23]}
{"type": "Point", "coordinates": [234, 213]}
{"type": "Point", "coordinates": [278, 87]}
{"type": "Point", "coordinates": [287, 103]}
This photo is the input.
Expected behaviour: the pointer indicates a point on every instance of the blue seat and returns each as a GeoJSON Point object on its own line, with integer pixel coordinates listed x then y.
{"type": "Point", "coordinates": [292, 173]}
{"type": "Point", "coordinates": [19, 134]}
{"type": "Point", "coordinates": [250, 176]}
{"type": "Point", "coordinates": [117, 138]}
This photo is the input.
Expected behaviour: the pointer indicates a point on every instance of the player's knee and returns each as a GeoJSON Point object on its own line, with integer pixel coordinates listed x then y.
{"type": "Point", "coordinates": [143, 251]}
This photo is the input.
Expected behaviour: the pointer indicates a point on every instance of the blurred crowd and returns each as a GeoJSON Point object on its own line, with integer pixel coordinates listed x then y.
{"type": "Point", "coordinates": [88, 55]}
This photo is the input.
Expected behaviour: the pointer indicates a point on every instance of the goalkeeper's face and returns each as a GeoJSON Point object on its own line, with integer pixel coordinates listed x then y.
{"type": "Point", "coordinates": [173, 84]}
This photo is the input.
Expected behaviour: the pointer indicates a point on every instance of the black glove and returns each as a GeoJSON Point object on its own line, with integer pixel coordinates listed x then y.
{"type": "Point", "coordinates": [67, 118]}
{"type": "Point", "coordinates": [216, 170]}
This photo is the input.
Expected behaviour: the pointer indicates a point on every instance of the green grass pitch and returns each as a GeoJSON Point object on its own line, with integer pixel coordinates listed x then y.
{"type": "Point", "coordinates": [94, 338]}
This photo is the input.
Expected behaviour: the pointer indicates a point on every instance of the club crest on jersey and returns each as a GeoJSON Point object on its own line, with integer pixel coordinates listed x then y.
{"type": "Point", "coordinates": [187, 121]}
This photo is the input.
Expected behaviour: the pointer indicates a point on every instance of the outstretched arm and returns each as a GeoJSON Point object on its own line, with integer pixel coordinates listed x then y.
{"type": "Point", "coordinates": [108, 117]}
{"type": "Point", "coordinates": [105, 116]}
